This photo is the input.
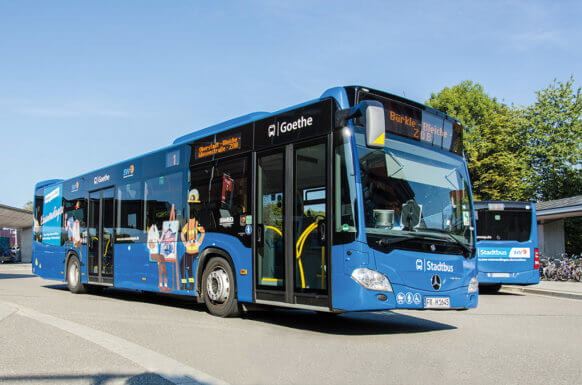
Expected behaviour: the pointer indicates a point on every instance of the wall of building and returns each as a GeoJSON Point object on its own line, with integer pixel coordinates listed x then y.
{"type": "Point", "coordinates": [26, 245]}
{"type": "Point", "coordinates": [551, 238]}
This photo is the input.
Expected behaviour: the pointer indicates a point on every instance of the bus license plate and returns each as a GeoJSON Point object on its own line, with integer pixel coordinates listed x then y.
{"type": "Point", "coordinates": [437, 302]}
{"type": "Point", "coordinates": [500, 275]}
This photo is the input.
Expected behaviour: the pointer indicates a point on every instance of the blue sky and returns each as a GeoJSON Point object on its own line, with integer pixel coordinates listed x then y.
{"type": "Point", "coordinates": [87, 84]}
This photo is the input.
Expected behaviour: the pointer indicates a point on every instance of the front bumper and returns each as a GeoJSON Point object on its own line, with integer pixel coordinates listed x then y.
{"type": "Point", "coordinates": [357, 298]}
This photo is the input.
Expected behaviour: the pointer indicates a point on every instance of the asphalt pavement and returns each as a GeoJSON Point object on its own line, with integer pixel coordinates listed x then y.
{"type": "Point", "coordinates": [48, 335]}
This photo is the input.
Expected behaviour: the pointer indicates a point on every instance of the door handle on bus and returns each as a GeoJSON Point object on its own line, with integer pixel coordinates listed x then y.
{"type": "Point", "coordinates": [259, 234]}
{"type": "Point", "coordinates": [321, 228]}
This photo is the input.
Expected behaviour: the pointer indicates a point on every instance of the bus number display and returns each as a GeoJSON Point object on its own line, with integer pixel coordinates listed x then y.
{"type": "Point", "coordinates": [221, 146]}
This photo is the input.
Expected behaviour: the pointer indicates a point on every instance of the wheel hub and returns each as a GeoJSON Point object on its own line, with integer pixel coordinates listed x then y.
{"type": "Point", "coordinates": [218, 285]}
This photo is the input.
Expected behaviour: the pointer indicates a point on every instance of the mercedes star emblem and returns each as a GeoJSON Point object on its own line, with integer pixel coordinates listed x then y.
{"type": "Point", "coordinates": [435, 281]}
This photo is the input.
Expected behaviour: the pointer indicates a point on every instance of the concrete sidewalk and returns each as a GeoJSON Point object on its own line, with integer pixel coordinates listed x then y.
{"type": "Point", "coordinates": [5, 267]}
{"type": "Point", "coordinates": [572, 290]}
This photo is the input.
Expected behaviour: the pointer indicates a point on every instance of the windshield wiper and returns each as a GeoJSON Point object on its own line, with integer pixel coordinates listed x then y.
{"type": "Point", "coordinates": [468, 249]}
{"type": "Point", "coordinates": [385, 242]}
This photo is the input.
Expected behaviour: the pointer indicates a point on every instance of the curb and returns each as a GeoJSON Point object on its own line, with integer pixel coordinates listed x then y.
{"type": "Point", "coordinates": [549, 293]}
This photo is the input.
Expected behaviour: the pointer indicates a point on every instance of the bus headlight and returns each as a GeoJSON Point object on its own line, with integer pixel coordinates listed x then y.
{"type": "Point", "coordinates": [371, 279]}
{"type": "Point", "coordinates": [473, 285]}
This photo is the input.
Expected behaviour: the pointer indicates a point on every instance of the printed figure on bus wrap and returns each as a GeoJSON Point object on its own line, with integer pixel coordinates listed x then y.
{"type": "Point", "coordinates": [73, 229]}
{"type": "Point", "coordinates": [192, 237]}
{"type": "Point", "coordinates": [153, 245]}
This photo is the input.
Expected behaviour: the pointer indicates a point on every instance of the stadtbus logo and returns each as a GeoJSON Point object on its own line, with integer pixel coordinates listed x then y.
{"type": "Point", "coordinates": [280, 128]}
{"type": "Point", "coordinates": [75, 186]}
{"type": "Point", "coordinates": [129, 171]}
{"type": "Point", "coordinates": [441, 266]}
{"type": "Point", "coordinates": [101, 179]}
{"type": "Point", "coordinates": [492, 252]}
{"type": "Point", "coordinates": [428, 265]}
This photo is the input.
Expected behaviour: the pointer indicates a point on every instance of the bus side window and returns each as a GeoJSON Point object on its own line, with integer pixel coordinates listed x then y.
{"type": "Point", "coordinates": [38, 205]}
{"type": "Point", "coordinates": [75, 219]}
{"type": "Point", "coordinates": [224, 191]}
{"type": "Point", "coordinates": [129, 213]}
{"type": "Point", "coordinates": [344, 191]}
{"type": "Point", "coordinates": [161, 194]}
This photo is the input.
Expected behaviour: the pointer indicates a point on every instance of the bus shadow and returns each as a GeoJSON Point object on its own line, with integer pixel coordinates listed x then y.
{"type": "Point", "coordinates": [357, 323]}
{"type": "Point", "coordinates": [170, 300]}
{"type": "Point", "coordinates": [93, 379]}
{"type": "Point", "coordinates": [360, 323]}
{"type": "Point", "coordinates": [13, 276]}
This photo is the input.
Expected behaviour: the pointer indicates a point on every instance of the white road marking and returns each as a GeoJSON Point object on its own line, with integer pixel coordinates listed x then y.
{"type": "Point", "coordinates": [6, 311]}
{"type": "Point", "coordinates": [154, 362]}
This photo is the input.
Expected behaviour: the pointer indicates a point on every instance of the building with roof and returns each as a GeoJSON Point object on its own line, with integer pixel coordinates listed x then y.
{"type": "Point", "coordinates": [21, 220]}
{"type": "Point", "coordinates": [550, 217]}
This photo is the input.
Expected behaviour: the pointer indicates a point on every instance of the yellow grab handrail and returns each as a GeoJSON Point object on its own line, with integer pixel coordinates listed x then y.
{"type": "Point", "coordinates": [275, 229]}
{"type": "Point", "coordinates": [299, 248]}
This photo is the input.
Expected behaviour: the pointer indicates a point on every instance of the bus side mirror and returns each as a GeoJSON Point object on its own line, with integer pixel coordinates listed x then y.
{"type": "Point", "coordinates": [373, 113]}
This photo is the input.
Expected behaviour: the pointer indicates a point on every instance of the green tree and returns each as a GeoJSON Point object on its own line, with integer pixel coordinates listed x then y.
{"type": "Point", "coordinates": [28, 206]}
{"type": "Point", "coordinates": [554, 141]}
{"type": "Point", "coordinates": [491, 140]}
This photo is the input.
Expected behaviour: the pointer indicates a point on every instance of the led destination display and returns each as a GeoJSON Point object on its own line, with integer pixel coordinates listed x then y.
{"type": "Point", "coordinates": [415, 123]}
{"type": "Point", "coordinates": [229, 143]}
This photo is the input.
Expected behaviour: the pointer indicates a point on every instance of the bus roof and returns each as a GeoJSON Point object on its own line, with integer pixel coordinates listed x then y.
{"type": "Point", "coordinates": [353, 89]}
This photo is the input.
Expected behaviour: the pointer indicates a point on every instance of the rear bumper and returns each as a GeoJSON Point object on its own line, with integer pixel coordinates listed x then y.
{"type": "Point", "coordinates": [529, 277]}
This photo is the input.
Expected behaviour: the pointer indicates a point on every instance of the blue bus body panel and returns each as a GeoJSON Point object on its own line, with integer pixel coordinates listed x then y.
{"type": "Point", "coordinates": [509, 262]}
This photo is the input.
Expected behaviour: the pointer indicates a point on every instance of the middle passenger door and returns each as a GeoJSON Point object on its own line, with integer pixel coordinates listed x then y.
{"type": "Point", "coordinates": [291, 242]}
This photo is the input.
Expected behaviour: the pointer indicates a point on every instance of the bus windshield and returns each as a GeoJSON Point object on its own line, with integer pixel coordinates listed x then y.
{"type": "Point", "coordinates": [506, 225]}
{"type": "Point", "coordinates": [413, 192]}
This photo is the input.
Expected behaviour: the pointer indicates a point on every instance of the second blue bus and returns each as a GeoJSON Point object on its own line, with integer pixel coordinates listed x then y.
{"type": "Point", "coordinates": [507, 244]}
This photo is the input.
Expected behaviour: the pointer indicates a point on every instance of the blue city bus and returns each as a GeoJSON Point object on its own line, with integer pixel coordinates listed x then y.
{"type": "Point", "coordinates": [358, 200]}
{"type": "Point", "coordinates": [507, 244]}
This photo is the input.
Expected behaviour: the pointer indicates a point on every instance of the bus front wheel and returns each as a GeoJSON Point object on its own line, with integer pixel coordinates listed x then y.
{"type": "Point", "coordinates": [74, 276]}
{"type": "Point", "coordinates": [219, 288]}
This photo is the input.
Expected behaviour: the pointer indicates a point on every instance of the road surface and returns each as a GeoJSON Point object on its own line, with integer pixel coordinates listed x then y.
{"type": "Point", "coordinates": [48, 335]}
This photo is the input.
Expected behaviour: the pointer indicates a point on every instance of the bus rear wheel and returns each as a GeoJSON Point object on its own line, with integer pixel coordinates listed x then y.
{"type": "Point", "coordinates": [74, 276]}
{"type": "Point", "coordinates": [219, 288]}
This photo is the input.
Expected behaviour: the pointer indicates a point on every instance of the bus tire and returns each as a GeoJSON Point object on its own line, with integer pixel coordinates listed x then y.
{"type": "Point", "coordinates": [219, 288]}
{"type": "Point", "coordinates": [74, 276]}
